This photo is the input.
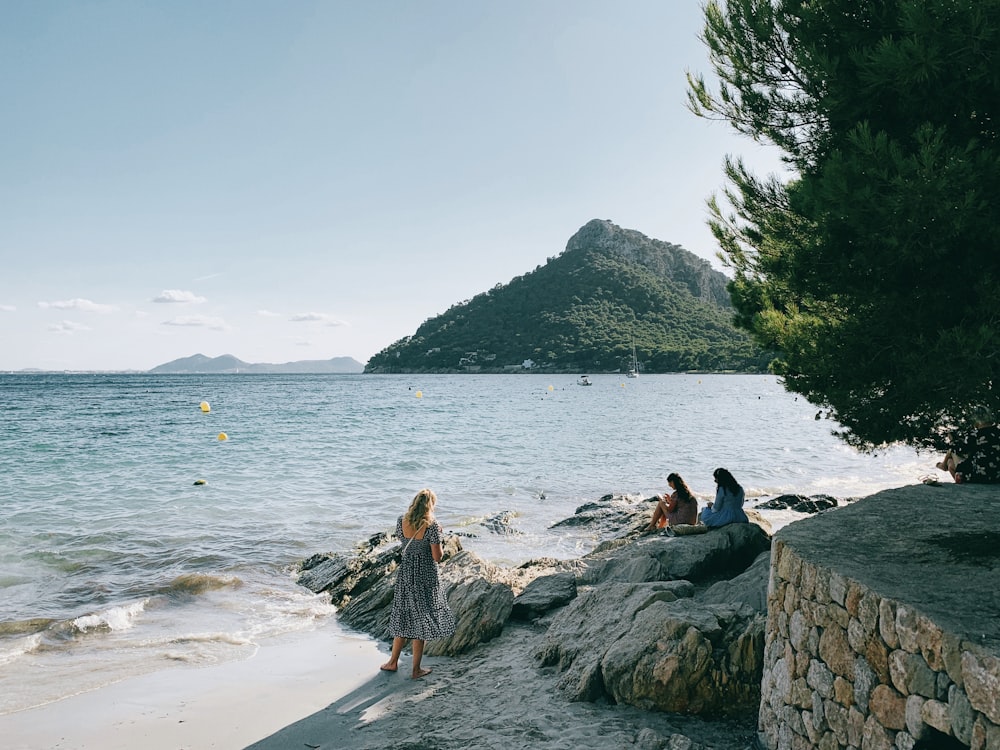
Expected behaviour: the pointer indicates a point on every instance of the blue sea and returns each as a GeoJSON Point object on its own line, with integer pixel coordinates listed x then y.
{"type": "Point", "coordinates": [116, 560]}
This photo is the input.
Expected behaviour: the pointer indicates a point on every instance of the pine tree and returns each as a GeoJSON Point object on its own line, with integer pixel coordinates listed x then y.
{"type": "Point", "coordinates": [874, 268]}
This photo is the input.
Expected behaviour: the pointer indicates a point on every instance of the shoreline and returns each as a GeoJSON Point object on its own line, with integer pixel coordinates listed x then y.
{"type": "Point", "coordinates": [322, 688]}
{"type": "Point", "coordinates": [227, 705]}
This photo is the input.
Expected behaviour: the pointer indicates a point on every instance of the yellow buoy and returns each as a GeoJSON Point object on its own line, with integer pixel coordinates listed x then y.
{"type": "Point", "coordinates": [420, 394]}
{"type": "Point", "coordinates": [552, 387]}
{"type": "Point", "coordinates": [205, 407]}
{"type": "Point", "coordinates": [622, 385]}
{"type": "Point", "coordinates": [223, 436]}
{"type": "Point", "coordinates": [199, 481]}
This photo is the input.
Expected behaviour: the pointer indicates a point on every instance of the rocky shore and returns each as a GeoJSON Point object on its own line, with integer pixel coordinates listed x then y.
{"type": "Point", "coordinates": [650, 640]}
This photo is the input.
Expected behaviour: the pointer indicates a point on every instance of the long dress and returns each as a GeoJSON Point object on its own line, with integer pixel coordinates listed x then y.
{"type": "Point", "coordinates": [419, 609]}
{"type": "Point", "coordinates": [727, 508]}
{"type": "Point", "coordinates": [981, 456]}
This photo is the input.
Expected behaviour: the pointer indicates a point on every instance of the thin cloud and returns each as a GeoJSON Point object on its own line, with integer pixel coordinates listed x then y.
{"type": "Point", "coordinates": [7, 308]}
{"type": "Point", "coordinates": [206, 278]}
{"type": "Point", "coordinates": [83, 305]}
{"type": "Point", "coordinates": [315, 317]}
{"type": "Point", "coordinates": [178, 296]}
{"type": "Point", "coordinates": [268, 314]}
{"type": "Point", "coordinates": [198, 321]}
{"type": "Point", "coordinates": [67, 327]}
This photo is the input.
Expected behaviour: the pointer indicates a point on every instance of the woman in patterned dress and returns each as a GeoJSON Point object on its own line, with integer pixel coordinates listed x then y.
{"type": "Point", "coordinates": [976, 458]}
{"type": "Point", "coordinates": [419, 610]}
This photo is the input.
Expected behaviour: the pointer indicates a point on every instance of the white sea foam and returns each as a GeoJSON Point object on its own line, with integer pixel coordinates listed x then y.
{"type": "Point", "coordinates": [113, 619]}
{"type": "Point", "coordinates": [231, 639]}
{"type": "Point", "coordinates": [14, 649]}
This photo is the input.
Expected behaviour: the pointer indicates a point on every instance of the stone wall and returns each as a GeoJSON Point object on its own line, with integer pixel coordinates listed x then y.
{"type": "Point", "coordinates": [883, 627]}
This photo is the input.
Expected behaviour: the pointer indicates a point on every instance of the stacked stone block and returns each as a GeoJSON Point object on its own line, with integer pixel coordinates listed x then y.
{"type": "Point", "coordinates": [847, 669]}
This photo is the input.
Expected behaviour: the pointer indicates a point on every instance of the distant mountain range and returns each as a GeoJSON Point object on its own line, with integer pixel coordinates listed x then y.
{"type": "Point", "coordinates": [584, 310]}
{"type": "Point", "coordinates": [227, 363]}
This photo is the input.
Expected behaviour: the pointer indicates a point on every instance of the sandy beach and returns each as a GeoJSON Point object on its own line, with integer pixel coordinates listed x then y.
{"type": "Point", "coordinates": [224, 706]}
{"type": "Point", "coordinates": [324, 690]}
{"type": "Point", "coordinates": [496, 697]}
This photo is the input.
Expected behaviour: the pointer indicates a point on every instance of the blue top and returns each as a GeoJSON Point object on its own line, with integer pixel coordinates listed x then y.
{"type": "Point", "coordinates": [727, 508]}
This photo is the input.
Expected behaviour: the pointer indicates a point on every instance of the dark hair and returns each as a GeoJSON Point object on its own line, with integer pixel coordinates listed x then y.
{"type": "Point", "coordinates": [725, 480]}
{"type": "Point", "coordinates": [683, 493]}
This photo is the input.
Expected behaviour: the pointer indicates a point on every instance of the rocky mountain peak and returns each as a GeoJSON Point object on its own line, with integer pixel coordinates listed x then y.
{"type": "Point", "coordinates": [666, 260]}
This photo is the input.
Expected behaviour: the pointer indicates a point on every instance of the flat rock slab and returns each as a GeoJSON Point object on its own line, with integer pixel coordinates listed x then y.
{"type": "Point", "coordinates": [936, 548]}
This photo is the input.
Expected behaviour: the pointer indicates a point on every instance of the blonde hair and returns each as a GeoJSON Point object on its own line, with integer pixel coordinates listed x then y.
{"type": "Point", "coordinates": [419, 512]}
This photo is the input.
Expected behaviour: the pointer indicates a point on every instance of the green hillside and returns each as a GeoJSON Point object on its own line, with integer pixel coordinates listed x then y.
{"type": "Point", "coordinates": [580, 312]}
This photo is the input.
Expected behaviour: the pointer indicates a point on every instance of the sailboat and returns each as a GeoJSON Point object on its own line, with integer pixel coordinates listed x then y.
{"type": "Point", "coordinates": [633, 371]}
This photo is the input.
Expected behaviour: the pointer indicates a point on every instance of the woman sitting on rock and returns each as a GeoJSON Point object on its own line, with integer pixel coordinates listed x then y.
{"type": "Point", "coordinates": [677, 507]}
{"type": "Point", "coordinates": [728, 505]}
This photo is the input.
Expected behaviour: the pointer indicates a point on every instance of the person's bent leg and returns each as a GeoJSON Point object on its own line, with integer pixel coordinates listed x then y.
{"type": "Point", "coordinates": [659, 516]}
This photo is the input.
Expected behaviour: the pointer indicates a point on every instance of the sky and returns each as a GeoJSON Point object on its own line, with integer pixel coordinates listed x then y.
{"type": "Point", "coordinates": [299, 180]}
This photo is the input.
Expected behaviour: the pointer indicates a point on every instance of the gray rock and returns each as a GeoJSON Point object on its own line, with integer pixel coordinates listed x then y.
{"type": "Point", "coordinates": [720, 553]}
{"type": "Point", "coordinates": [580, 634]}
{"type": "Point", "coordinates": [611, 517]}
{"type": "Point", "coordinates": [481, 609]}
{"type": "Point", "coordinates": [800, 503]}
{"type": "Point", "coordinates": [749, 587]}
{"type": "Point", "coordinates": [649, 645]}
{"type": "Point", "coordinates": [688, 657]}
{"type": "Point", "coordinates": [544, 594]}
{"type": "Point", "coordinates": [501, 523]}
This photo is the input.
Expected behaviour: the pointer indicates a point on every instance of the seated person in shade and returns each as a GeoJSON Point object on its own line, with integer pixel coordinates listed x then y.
{"type": "Point", "coordinates": [677, 507]}
{"type": "Point", "coordinates": [728, 505]}
{"type": "Point", "coordinates": [976, 457]}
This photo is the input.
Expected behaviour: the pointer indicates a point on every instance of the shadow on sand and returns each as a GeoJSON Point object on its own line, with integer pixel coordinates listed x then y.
{"type": "Point", "coordinates": [352, 721]}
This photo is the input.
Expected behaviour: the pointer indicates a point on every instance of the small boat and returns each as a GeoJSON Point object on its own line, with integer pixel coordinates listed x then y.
{"type": "Point", "coordinates": [633, 371]}
{"type": "Point", "coordinates": [584, 380]}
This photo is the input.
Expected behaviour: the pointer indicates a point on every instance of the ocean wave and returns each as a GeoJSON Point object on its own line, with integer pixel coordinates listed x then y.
{"type": "Point", "coordinates": [199, 583]}
{"type": "Point", "coordinates": [113, 619]}
{"type": "Point", "coordinates": [282, 611]}
{"type": "Point", "coordinates": [232, 639]}
{"type": "Point", "coordinates": [14, 649]}
{"type": "Point", "coordinates": [20, 627]}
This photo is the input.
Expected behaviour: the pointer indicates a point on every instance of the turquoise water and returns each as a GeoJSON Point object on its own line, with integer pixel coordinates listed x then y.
{"type": "Point", "coordinates": [114, 562]}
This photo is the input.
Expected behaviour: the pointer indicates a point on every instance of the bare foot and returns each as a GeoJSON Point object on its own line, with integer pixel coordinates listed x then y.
{"type": "Point", "coordinates": [388, 667]}
{"type": "Point", "coordinates": [421, 673]}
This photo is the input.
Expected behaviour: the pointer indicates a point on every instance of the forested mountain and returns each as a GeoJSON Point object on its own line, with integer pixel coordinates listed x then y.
{"type": "Point", "coordinates": [581, 311]}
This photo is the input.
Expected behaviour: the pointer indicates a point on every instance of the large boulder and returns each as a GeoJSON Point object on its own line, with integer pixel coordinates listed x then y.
{"type": "Point", "coordinates": [611, 516]}
{"type": "Point", "coordinates": [749, 587]}
{"type": "Point", "coordinates": [580, 634]}
{"type": "Point", "coordinates": [718, 554]}
{"type": "Point", "coordinates": [481, 599]}
{"type": "Point", "coordinates": [543, 594]}
{"type": "Point", "coordinates": [688, 657]}
{"type": "Point", "coordinates": [650, 645]}
{"type": "Point", "coordinates": [342, 575]}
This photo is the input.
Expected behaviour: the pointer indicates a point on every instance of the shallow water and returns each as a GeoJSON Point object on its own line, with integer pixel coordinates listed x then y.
{"type": "Point", "coordinates": [114, 562]}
